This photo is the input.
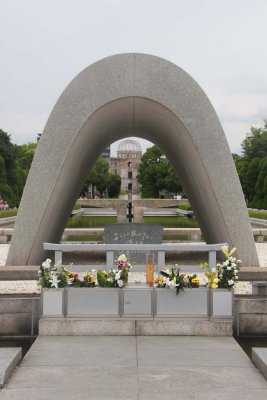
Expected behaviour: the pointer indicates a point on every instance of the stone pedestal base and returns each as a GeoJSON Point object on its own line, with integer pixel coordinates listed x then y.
{"type": "Point", "coordinates": [259, 288]}
{"type": "Point", "coordinates": [151, 327]}
{"type": "Point", "coordinates": [3, 239]}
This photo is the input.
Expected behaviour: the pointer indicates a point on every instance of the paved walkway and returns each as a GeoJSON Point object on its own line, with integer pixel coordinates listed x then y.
{"type": "Point", "coordinates": [135, 368]}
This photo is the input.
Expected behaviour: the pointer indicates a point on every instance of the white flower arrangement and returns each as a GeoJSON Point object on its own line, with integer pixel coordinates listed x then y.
{"type": "Point", "coordinates": [53, 275]}
{"type": "Point", "coordinates": [115, 277]}
{"type": "Point", "coordinates": [171, 279]}
{"type": "Point", "coordinates": [226, 273]}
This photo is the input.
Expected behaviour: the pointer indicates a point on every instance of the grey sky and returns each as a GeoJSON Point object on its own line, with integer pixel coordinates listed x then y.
{"type": "Point", "coordinates": [46, 43]}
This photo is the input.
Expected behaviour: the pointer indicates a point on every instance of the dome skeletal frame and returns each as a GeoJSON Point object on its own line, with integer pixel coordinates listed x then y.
{"type": "Point", "coordinates": [129, 145]}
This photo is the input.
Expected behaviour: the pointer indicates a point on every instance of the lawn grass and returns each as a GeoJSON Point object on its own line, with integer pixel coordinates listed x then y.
{"type": "Point", "coordinates": [8, 213]}
{"type": "Point", "coordinates": [100, 222]}
{"type": "Point", "coordinates": [173, 222]}
{"type": "Point", "coordinates": [90, 222]}
{"type": "Point", "coordinates": [185, 207]}
{"type": "Point", "coordinates": [258, 214]}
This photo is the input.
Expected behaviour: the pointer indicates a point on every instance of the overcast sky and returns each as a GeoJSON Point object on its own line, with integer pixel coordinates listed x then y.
{"type": "Point", "coordinates": [46, 43]}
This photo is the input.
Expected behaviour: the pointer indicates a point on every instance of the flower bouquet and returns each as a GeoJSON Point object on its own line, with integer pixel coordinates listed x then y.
{"type": "Point", "coordinates": [225, 274]}
{"type": "Point", "coordinates": [56, 276]}
{"type": "Point", "coordinates": [171, 278]}
{"type": "Point", "coordinates": [87, 279]}
{"type": "Point", "coordinates": [115, 277]}
{"type": "Point", "coordinates": [192, 280]}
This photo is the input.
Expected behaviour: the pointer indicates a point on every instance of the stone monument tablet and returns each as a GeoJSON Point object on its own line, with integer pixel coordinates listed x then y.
{"type": "Point", "coordinates": [134, 234]}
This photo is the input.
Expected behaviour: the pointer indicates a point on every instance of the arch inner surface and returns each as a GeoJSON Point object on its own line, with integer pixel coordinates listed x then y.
{"type": "Point", "coordinates": [118, 97]}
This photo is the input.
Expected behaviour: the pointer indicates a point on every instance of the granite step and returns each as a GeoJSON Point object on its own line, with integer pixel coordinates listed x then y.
{"type": "Point", "coordinates": [259, 358]}
{"type": "Point", "coordinates": [9, 359]}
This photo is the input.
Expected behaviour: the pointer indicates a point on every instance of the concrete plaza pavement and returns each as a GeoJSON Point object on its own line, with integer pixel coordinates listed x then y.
{"type": "Point", "coordinates": [135, 367]}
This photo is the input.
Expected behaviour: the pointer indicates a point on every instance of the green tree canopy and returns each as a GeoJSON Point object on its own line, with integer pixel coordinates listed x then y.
{"type": "Point", "coordinates": [7, 149]}
{"type": "Point", "coordinates": [256, 144]}
{"type": "Point", "coordinates": [11, 184]}
{"type": "Point", "coordinates": [114, 185]}
{"type": "Point", "coordinates": [101, 180]}
{"type": "Point", "coordinates": [251, 167]}
{"type": "Point", "coordinates": [14, 168]}
{"type": "Point", "coordinates": [5, 189]}
{"type": "Point", "coordinates": [156, 174]}
{"type": "Point", "coordinates": [98, 176]}
{"type": "Point", "coordinates": [260, 197]}
{"type": "Point", "coordinates": [25, 156]}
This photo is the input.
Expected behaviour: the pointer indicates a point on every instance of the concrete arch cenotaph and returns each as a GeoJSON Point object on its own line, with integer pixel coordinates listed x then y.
{"type": "Point", "coordinates": [132, 95]}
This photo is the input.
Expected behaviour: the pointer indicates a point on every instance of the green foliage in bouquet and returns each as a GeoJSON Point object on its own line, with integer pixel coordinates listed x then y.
{"type": "Point", "coordinates": [192, 281]}
{"type": "Point", "coordinates": [112, 278]}
{"type": "Point", "coordinates": [53, 276]}
{"type": "Point", "coordinates": [103, 279]}
{"type": "Point", "coordinates": [225, 274]}
{"type": "Point", "coordinates": [86, 279]}
{"type": "Point", "coordinates": [171, 278]}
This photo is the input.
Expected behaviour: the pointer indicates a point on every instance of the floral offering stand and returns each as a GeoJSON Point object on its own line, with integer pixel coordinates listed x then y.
{"type": "Point", "coordinates": [137, 301]}
{"type": "Point", "coordinates": [102, 302]}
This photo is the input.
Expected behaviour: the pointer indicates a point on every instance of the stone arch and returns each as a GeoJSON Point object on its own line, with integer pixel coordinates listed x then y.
{"type": "Point", "coordinates": [121, 96]}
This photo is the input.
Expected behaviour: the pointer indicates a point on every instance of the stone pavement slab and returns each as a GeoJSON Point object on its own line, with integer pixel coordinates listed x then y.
{"type": "Point", "coordinates": [259, 357]}
{"type": "Point", "coordinates": [161, 379]}
{"type": "Point", "coordinates": [201, 394]}
{"type": "Point", "coordinates": [204, 352]}
{"type": "Point", "coordinates": [135, 368]}
{"type": "Point", "coordinates": [50, 351]}
{"type": "Point", "coordinates": [9, 359]}
{"type": "Point", "coordinates": [86, 377]}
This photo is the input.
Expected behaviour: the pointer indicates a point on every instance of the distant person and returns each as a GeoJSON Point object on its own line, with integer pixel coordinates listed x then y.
{"type": "Point", "coordinates": [3, 205]}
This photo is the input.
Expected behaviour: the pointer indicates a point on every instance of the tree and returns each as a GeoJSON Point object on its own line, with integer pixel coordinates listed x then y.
{"type": "Point", "coordinates": [156, 174]}
{"type": "Point", "coordinates": [252, 174]}
{"type": "Point", "coordinates": [242, 167]}
{"type": "Point", "coordinates": [101, 180]}
{"type": "Point", "coordinates": [5, 189]}
{"type": "Point", "coordinates": [98, 176]}
{"type": "Point", "coordinates": [6, 149]}
{"type": "Point", "coordinates": [11, 178]}
{"type": "Point", "coordinates": [256, 144]}
{"type": "Point", "coordinates": [14, 168]}
{"type": "Point", "coordinates": [260, 197]}
{"type": "Point", "coordinates": [251, 167]}
{"type": "Point", "coordinates": [114, 185]}
{"type": "Point", "coordinates": [25, 156]}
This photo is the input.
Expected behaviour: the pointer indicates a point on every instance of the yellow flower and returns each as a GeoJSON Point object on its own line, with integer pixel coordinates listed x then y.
{"type": "Point", "coordinates": [204, 265]}
{"type": "Point", "coordinates": [224, 249]}
{"type": "Point", "coordinates": [160, 280]}
{"type": "Point", "coordinates": [122, 258]}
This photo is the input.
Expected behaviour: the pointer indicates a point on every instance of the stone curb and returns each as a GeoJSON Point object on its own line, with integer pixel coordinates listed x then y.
{"type": "Point", "coordinates": [259, 358]}
{"type": "Point", "coordinates": [9, 359]}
